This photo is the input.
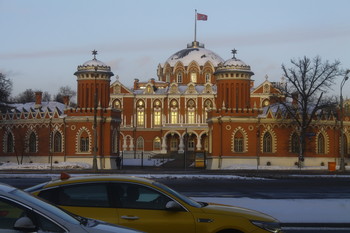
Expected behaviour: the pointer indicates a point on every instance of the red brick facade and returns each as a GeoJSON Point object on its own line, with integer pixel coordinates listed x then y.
{"type": "Point", "coordinates": [200, 102]}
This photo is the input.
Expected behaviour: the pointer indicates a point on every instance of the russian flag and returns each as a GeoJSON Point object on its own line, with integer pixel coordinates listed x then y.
{"type": "Point", "coordinates": [202, 17]}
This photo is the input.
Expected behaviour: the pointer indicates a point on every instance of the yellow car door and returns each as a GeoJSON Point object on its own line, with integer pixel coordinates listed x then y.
{"type": "Point", "coordinates": [146, 209]}
{"type": "Point", "coordinates": [157, 221]}
{"type": "Point", "coordinates": [100, 213]}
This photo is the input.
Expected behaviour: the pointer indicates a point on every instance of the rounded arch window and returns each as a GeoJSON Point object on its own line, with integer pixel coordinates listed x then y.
{"type": "Point", "coordinates": [173, 103]}
{"type": "Point", "coordinates": [157, 103]}
{"type": "Point", "coordinates": [140, 104]}
{"type": "Point", "coordinates": [208, 104]}
{"type": "Point", "coordinates": [117, 104]}
{"type": "Point", "coordinates": [266, 103]}
{"type": "Point", "coordinates": [191, 103]}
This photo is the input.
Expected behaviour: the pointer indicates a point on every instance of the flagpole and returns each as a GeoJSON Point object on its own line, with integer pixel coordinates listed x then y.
{"type": "Point", "coordinates": [195, 25]}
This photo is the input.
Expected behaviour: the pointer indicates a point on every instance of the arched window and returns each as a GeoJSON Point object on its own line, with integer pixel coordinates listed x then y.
{"type": "Point", "coordinates": [9, 143]}
{"type": "Point", "coordinates": [84, 144]}
{"type": "Point", "coordinates": [167, 77]}
{"type": "Point", "coordinates": [117, 104]}
{"type": "Point", "coordinates": [193, 77]}
{"type": "Point", "coordinates": [157, 113]}
{"type": "Point", "coordinates": [238, 142]}
{"type": "Point", "coordinates": [320, 144]}
{"type": "Point", "coordinates": [173, 112]}
{"type": "Point", "coordinates": [191, 108]}
{"type": "Point", "coordinates": [139, 143]}
{"type": "Point", "coordinates": [267, 143]}
{"type": "Point", "coordinates": [140, 113]}
{"type": "Point", "coordinates": [57, 142]}
{"type": "Point", "coordinates": [295, 143]}
{"type": "Point", "coordinates": [207, 77]}
{"type": "Point", "coordinates": [190, 144]}
{"type": "Point", "coordinates": [208, 105]}
{"type": "Point", "coordinates": [179, 77]}
{"type": "Point", "coordinates": [32, 143]}
{"type": "Point", "coordinates": [157, 144]}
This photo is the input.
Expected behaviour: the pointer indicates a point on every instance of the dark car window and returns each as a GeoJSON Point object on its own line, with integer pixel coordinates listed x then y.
{"type": "Point", "coordinates": [139, 197]}
{"type": "Point", "coordinates": [89, 195]}
{"type": "Point", "coordinates": [10, 212]}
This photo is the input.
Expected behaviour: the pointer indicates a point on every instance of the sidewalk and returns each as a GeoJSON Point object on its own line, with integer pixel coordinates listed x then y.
{"type": "Point", "coordinates": [130, 170]}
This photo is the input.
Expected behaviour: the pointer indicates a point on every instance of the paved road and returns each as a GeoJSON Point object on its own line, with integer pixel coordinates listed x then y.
{"type": "Point", "coordinates": [295, 188]}
{"type": "Point", "coordinates": [290, 188]}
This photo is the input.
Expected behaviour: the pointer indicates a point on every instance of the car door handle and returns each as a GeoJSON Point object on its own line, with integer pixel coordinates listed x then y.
{"type": "Point", "coordinates": [130, 217]}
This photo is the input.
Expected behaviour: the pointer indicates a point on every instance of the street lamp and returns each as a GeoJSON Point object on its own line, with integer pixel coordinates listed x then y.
{"type": "Point", "coordinates": [342, 162]}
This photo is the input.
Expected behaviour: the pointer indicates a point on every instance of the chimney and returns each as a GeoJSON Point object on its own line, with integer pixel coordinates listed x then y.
{"type": "Point", "coordinates": [38, 98]}
{"type": "Point", "coordinates": [136, 84]}
{"type": "Point", "coordinates": [66, 100]}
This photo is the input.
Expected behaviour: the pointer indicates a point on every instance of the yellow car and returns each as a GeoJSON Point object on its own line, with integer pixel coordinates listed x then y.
{"type": "Point", "coordinates": [149, 206]}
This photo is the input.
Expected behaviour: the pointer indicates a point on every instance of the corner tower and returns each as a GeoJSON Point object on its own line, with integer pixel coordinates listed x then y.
{"type": "Point", "coordinates": [233, 80]}
{"type": "Point", "coordinates": [93, 77]}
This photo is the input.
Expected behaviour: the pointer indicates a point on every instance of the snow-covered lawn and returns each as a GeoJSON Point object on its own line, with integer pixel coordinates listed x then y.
{"type": "Point", "coordinates": [44, 166]}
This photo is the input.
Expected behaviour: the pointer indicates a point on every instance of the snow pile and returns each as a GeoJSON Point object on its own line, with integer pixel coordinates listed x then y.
{"type": "Point", "coordinates": [261, 167]}
{"type": "Point", "coordinates": [44, 166]}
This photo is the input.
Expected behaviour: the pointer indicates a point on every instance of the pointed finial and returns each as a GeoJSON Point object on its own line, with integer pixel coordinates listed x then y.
{"type": "Point", "coordinates": [94, 52]}
{"type": "Point", "coordinates": [234, 52]}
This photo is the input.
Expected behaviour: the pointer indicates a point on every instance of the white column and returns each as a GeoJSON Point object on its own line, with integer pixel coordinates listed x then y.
{"type": "Point", "coordinates": [163, 145]}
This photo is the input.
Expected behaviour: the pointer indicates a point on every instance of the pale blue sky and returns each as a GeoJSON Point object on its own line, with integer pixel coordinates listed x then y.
{"type": "Point", "coordinates": [43, 41]}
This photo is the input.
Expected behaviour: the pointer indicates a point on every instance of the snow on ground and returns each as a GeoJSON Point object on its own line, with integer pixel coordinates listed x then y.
{"type": "Point", "coordinates": [293, 210]}
{"type": "Point", "coordinates": [147, 162]}
{"type": "Point", "coordinates": [44, 166]}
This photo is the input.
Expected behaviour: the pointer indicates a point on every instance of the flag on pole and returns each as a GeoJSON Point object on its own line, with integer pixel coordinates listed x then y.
{"type": "Point", "coordinates": [202, 17]}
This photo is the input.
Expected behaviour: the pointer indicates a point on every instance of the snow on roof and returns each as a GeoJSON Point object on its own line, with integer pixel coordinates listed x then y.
{"type": "Point", "coordinates": [94, 62]}
{"type": "Point", "coordinates": [45, 106]}
{"type": "Point", "coordinates": [182, 89]}
{"type": "Point", "coordinates": [234, 62]}
{"type": "Point", "coordinates": [200, 55]}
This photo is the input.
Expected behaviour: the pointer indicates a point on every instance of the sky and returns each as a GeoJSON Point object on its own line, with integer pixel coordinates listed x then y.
{"type": "Point", "coordinates": [43, 42]}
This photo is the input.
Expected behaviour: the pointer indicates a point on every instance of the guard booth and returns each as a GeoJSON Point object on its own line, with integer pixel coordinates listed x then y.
{"type": "Point", "coordinates": [199, 160]}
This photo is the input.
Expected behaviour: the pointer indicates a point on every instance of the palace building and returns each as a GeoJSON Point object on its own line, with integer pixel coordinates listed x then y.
{"type": "Point", "coordinates": [51, 132]}
{"type": "Point", "coordinates": [199, 102]}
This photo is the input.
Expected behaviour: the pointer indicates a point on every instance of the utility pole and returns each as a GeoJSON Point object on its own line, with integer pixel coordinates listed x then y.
{"type": "Point", "coordinates": [94, 161]}
{"type": "Point", "coordinates": [341, 116]}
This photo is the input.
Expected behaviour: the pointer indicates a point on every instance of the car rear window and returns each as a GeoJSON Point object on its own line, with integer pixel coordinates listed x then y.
{"type": "Point", "coordinates": [89, 195]}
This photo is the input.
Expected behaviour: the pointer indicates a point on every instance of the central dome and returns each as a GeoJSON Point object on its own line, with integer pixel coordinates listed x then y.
{"type": "Point", "coordinates": [195, 52]}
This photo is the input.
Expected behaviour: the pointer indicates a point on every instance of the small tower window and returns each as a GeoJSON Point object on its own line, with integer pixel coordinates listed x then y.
{"type": "Point", "coordinates": [207, 77]}
{"type": "Point", "coordinates": [194, 77]}
{"type": "Point", "coordinates": [179, 77]}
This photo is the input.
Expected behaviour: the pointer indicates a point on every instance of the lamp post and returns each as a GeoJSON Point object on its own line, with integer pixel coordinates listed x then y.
{"type": "Point", "coordinates": [94, 161]}
{"type": "Point", "coordinates": [342, 162]}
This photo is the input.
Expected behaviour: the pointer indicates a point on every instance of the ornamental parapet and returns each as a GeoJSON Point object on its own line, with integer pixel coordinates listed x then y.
{"type": "Point", "coordinates": [235, 112]}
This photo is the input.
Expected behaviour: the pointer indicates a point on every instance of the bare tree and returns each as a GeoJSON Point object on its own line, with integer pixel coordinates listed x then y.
{"type": "Point", "coordinates": [5, 88]}
{"type": "Point", "coordinates": [26, 96]}
{"type": "Point", "coordinates": [306, 82]}
{"type": "Point", "coordinates": [5, 92]}
{"type": "Point", "coordinates": [46, 97]}
{"type": "Point", "coordinates": [64, 91]}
